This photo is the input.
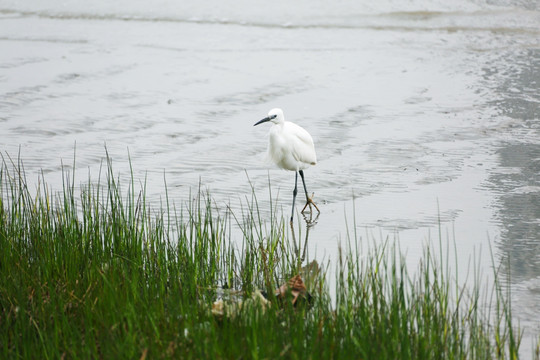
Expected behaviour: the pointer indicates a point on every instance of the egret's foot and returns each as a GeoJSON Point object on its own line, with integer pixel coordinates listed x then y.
{"type": "Point", "coordinates": [310, 203]}
{"type": "Point", "coordinates": [310, 221]}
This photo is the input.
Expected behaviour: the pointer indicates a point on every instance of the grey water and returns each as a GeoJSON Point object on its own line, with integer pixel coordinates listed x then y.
{"type": "Point", "coordinates": [425, 112]}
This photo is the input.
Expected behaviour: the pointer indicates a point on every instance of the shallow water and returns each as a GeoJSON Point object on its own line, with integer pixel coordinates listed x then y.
{"type": "Point", "coordinates": [426, 112]}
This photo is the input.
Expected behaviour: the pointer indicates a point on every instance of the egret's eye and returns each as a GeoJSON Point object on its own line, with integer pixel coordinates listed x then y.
{"type": "Point", "coordinates": [273, 117]}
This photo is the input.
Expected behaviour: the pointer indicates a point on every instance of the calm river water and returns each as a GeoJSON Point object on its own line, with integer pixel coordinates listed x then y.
{"type": "Point", "coordinates": [425, 112]}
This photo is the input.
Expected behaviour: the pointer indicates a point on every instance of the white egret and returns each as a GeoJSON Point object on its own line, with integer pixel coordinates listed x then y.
{"type": "Point", "coordinates": [290, 147]}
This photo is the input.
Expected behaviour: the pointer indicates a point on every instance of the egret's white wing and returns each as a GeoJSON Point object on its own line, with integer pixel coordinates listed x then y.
{"type": "Point", "coordinates": [303, 148]}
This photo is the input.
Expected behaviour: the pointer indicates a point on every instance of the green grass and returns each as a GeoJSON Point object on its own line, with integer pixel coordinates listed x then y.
{"type": "Point", "coordinates": [99, 274]}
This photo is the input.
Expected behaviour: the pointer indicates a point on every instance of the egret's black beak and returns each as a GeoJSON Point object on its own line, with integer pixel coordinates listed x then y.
{"type": "Point", "coordinates": [262, 121]}
{"type": "Point", "coordinates": [268, 118]}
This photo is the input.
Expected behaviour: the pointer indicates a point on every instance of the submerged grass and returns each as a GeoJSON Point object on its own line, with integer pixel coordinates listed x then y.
{"type": "Point", "coordinates": [98, 274]}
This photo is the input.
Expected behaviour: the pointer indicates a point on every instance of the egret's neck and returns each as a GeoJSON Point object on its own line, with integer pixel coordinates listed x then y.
{"type": "Point", "coordinates": [279, 121]}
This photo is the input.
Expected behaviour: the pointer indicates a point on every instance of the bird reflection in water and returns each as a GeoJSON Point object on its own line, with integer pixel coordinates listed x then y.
{"type": "Point", "coordinates": [310, 223]}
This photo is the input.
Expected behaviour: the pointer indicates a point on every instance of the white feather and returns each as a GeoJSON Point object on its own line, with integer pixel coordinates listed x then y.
{"type": "Point", "coordinates": [290, 146]}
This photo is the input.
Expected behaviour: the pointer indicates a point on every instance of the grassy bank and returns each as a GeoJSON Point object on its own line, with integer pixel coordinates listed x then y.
{"type": "Point", "coordinates": [96, 273]}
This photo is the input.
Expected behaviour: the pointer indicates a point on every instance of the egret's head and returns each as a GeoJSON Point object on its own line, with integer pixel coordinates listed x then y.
{"type": "Point", "coordinates": [275, 116]}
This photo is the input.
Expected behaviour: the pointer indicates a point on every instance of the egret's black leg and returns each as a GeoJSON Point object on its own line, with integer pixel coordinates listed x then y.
{"type": "Point", "coordinates": [304, 182]}
{"type": "Point", "coordinates": [309, 201]}
{"type": "Point", "coordinates": [295, 191]}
